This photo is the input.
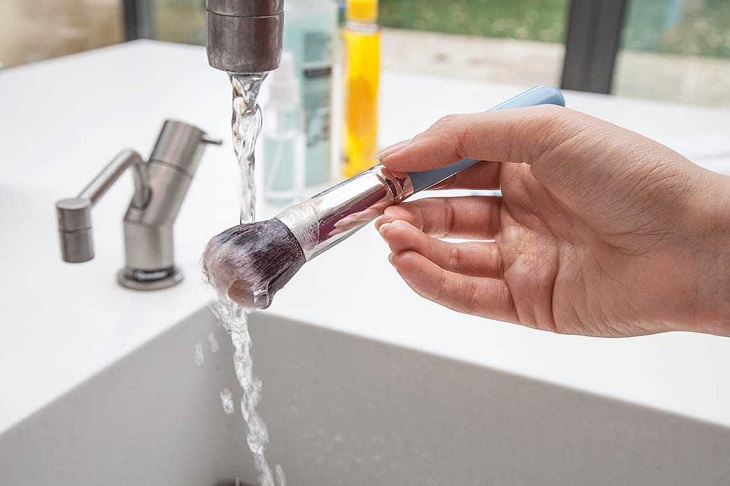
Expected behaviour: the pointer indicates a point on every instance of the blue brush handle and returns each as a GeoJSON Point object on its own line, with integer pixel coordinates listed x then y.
{"type": "Point", "coordinates": [539, 95]}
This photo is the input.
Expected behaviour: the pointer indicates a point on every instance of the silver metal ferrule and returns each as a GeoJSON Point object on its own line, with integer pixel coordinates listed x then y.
{"type": "Point", "coordinates": [245, 36]}
{"type": "Point", "coordinates": [331, 216]}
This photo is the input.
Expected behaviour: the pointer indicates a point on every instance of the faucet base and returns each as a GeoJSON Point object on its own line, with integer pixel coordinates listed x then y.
{"type": "Point", "coordinates": [149, 280]}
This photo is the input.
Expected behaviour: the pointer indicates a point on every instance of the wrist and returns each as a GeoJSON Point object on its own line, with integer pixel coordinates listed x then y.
{"type": "Point", "coordinates": [713, 257]}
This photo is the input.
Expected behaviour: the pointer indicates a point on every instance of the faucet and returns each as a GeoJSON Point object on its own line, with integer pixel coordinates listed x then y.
{"type": "Point", "coordinates": [160, 186]}
{"type": "Point", "coordinates": [244, 36]}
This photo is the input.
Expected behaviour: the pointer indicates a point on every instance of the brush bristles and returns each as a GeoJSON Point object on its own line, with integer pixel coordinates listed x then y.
{"type": "Point", "coordinates": [250, 263]}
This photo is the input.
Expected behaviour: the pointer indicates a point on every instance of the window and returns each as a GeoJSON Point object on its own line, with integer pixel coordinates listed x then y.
{"type": "Point", "coordinates": [41, 29]}
{"type": "Point", "coordinates": [179, 21]}
{"type": "Point", "coordinates": [676, 50]}
{"type": "Point", "coordinates": [504, 41]}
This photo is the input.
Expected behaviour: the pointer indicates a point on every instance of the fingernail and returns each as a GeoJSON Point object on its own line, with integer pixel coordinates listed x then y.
{"type": "Point", "coordinates": [390, 258]}
{"type": "Point", "coordinates": [392, 149]}
{"type": "Point", "coordinates": [381, 230]}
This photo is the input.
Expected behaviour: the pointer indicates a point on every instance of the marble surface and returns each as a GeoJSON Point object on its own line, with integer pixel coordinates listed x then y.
{"type": "Point", "coordinates": [60, 324]}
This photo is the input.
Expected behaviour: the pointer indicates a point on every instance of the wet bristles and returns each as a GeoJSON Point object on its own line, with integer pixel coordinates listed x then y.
{"type": "Point", "coordinates": [250, 263]}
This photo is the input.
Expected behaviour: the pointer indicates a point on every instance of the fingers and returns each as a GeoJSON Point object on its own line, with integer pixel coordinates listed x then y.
{"type": "Point", "coordinates": [480, 259]}
{"type": "Point", "coordinates": [456, 217]}
{"type": "Point", "coordinates": [516, 135]}
{"type": "Point", "coordinates": [484, 175]}
{"type": "Point", "coordinates": [485, 297]}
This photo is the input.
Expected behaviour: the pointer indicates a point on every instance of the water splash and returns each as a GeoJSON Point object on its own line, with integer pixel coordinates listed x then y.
{"type": "Point", "coordinates": [199, 356]}
{"type": "Point", "coordinates": [246, 125]}
{"type": "Point", "coordinates": [235, 320]}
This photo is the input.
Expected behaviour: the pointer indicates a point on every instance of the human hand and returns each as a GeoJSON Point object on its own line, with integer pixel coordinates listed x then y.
{"type": "Point", "coordinates": [599, 231]}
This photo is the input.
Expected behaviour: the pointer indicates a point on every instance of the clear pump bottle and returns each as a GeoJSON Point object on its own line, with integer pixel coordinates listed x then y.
{"type": "Point", "coordinates": [283, 137]}
{"type": "Point", "coordinates": [310, 34]}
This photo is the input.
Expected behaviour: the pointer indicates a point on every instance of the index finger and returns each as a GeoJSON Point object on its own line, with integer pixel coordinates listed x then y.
{"type": "Point", "coordinates": [513, 135]}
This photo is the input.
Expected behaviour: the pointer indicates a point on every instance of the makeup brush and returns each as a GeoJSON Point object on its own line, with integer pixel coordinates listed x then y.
{"type": "Point", "coordinates": [251, 262]}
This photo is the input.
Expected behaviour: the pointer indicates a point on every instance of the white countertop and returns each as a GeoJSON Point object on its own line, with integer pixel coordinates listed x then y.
{"type": "Point", "coordinates": [62, 120]}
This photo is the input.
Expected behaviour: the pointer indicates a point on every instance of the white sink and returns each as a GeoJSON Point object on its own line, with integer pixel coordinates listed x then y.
{"type": "Point", "coordinates": [340, 409]}
{"type": "Point", "coordinates": [346, 410]}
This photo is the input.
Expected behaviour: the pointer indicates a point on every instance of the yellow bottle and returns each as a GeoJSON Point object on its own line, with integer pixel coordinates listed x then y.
{"type": "Point", "coordinates": [361, 38]}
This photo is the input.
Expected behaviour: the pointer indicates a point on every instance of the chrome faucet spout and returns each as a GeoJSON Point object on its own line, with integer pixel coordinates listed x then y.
{"type": "Point", "coordinates": [74, 214]}
{"type": "Point", "coordinates": [127, 158]}
{"type": "Point", "coordinates": [245, 36]}
{"type": "Point", "coordinates": [160, 186]}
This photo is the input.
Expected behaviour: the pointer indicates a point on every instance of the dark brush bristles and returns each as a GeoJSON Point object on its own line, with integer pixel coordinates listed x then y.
{"type": "Point", "coordinates": [250, 263]}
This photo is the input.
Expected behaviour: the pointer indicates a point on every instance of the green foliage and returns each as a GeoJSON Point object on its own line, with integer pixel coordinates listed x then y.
{"type": "Point", "coordinates": [699, 27]}
{"type": "Point", "coordinates": [542, 20]}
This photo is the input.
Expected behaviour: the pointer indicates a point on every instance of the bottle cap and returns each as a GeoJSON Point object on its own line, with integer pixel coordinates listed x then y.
{"type": "Point", "coordinates": [283, 82]}
{"type": "Point", "coordinates": [362, 10]}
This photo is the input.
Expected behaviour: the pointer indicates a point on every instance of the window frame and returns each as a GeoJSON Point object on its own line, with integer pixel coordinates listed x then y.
{"type": "Point", "coordinates": [592, 40]}
{"type": "Point", "coordinates": [137, 19]}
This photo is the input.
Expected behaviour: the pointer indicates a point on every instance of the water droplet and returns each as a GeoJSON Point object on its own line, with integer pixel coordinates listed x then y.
{"type": "Point", "coordinates": [213, 343]}
{"type": "Point", "coordinates": [261, 298]}
{"type": "Point", "coordinates": [227, 401]}
{"type": "Point", "coordinates": [280, 477]}
{"type": "Point", "coordinates": [199, 357]}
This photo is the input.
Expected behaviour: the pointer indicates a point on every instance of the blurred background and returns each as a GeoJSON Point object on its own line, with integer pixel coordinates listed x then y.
{"type": "Point", "coordinates": [673, 50]}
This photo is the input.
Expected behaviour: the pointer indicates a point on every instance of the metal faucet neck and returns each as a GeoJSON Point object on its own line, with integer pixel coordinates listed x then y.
{"type": "Point", "coordinates": [160, 186]}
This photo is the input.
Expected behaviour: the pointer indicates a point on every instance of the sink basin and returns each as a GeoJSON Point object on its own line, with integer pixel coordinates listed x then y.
{"type": "Point", "coordinates": [346, 410]}
{"type": "Point", "coordinates": [340, 409]}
